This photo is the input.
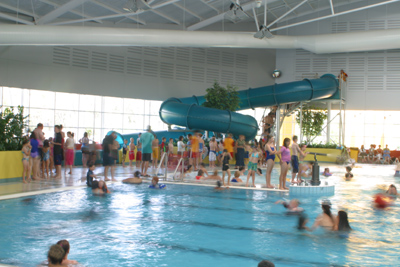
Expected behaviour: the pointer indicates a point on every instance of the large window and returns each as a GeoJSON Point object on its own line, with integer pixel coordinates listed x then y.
{"type": "Point", "coordinates": [78, 113]}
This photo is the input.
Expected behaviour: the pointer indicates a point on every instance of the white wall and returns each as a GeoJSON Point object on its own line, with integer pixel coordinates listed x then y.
{"type": "Point", "coordinates": [134, 72]}
{"type": "Point", "coordinates": [374, 80]}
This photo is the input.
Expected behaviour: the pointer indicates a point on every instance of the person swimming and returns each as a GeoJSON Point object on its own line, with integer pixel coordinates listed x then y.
{"type": "Point", "coordinates": [155, 184]}
{"type": "Point", "coordinates": [326, 220]}
{"type": "Point", "coordinates": [65, 245]}
{"type": "Point", "coordinates": [200, 174]}
{"type": "Point", "coordinates": [292, 207]}
{"type": "Point", "coordinates": [56, 255]}
{"type": "Point", "coordinates": [100, 188]}
{"type": "Point", "coordinates": [135, 180]}
{"type": "Point", "coordinates": [326, 172]}
{"type": "Point", "coordinates": [348, 174]}
{"type": "Point", "coordinates": [219, 186]}
{"type": "Point", "coordinates": [392, 190]}
{"type": "Point", "coordinates": [342, 222]}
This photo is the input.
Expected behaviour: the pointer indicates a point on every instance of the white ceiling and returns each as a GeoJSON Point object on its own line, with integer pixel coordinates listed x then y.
{"type": "Point", "coordinates": [186, 13]}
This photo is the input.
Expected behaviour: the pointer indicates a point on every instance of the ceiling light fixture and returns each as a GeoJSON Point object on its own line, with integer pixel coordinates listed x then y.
{"type": "Point", "coordinates": [135, 5]}
{"type": "Point", "coordinates": [263, 31]}
{"type": "Point", "coordinates": [235, 13]}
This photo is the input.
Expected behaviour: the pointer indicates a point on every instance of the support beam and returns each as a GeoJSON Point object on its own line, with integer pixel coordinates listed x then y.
{"type": "Point", "coordinates": [332, 9]}
{"type": "Point", "coordinates": [117, 15]}
{"type": "Point", "coordinates": [71, 11]}
{"type": "Point", "coordinates": [165, 16]}
{"type": "Point", "coordinates": [136, 20]}
{"type": "Point", "coordinates": [219, 17]}
{"type": "Point", "coordinates": [328, 127]}
{"type": "Point", "coordinates": [188, 11]}
{"type": "Point", "coordinates": [287, 13]}
{"type": "Point", "coordinates": [335, 15]}
{"type": "Point", "coordinates": [60, 11]}
{"type": "Point", "coordinates": [301, 122]}
{"type": "Point", "coordinates": [211, 6]}
{"type": "Point", "coordinates": [14, 18]}
{"type": "Point", "coordinates": [19, 10]}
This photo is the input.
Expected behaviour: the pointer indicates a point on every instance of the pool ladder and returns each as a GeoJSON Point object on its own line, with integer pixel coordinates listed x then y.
{"type": "Point", "coordinates": [164, 157]}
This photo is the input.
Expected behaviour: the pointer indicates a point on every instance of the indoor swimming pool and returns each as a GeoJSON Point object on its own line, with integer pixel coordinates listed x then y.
{"type": "Point", "coordinates": [185, 225]}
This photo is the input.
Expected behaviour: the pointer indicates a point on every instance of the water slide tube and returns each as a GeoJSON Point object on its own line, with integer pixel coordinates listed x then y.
{"type": "Point", "coordinates": [189, 113]}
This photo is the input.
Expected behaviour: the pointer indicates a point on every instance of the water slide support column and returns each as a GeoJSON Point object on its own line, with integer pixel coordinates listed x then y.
{"type": "Point", "coordinates": [278, 127]}
{"type": "Point", "coordinates": [328, 127]}
{"type": "Point", "coordinates": [301, 122]}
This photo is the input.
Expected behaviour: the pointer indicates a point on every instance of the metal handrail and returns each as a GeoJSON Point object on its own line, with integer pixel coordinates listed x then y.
{"type": "Point", "coordinates": [164, 156]}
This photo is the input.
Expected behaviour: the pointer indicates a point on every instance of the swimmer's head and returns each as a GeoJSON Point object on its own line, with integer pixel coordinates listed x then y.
{"type": "Point", "coordinates": [56, 254]}
{"type": "Point", "coordinates": [265, 263]}
{"type": "Point", "coordinates": [64, 244]}
{"type": "Point", "coordinates": [348, 168]}
{"type": "Point", "coordinates": [237, 174]}
{"type": "Point", "coordinates": [200, 173]}
{"type": "Point", "coordinates": [241, 168]}
{"type": "Point", "coordinates": [347, 175]}
{"type": "Point", "coordinates": [294, 203]}
{"type": "Point", "coordinates": [46, 143]}
{"type": "Point", "coordinates": [95, 184]}
{"type": "Point", "coordinates": [102, 183]}
{"type": "Point", "coordinates": [136, 174]}
{"type": "Point", "coordinates": [154, 181]}
{"type": "Point", "coordinates": [215, 172]}
{"type": "Point", "coordinates": [326, 170]}
{"type": "Point", "coordinates": [219, 184]}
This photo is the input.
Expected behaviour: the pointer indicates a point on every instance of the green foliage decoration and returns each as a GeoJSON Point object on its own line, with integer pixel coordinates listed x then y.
{"type": "Point", "coordinates": [12, 126]}
{"type": "Point", "coordinates": [222, 98]}
{"type": "Point", "coordinates": [321, 145]}
{"type": "Point", "coordinates": [313, 121]}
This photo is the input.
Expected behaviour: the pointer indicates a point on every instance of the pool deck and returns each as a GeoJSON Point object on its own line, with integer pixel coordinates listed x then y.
{"type": "Point", "coordinates": [78, 180]}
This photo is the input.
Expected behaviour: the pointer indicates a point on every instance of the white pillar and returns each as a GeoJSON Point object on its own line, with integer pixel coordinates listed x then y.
{"type": "Point", "coordinates": [278, 126]}
{"type": "Point", "coordinates": [301, 122]}
{"type": "Point", "coordinates": [328, 126]}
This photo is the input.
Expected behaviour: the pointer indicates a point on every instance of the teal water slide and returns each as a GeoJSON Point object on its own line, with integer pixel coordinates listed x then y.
{"type": "Point", "coordinates": [189, 113]}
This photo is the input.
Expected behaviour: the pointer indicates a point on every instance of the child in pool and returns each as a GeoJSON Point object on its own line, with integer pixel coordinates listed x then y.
{"type": "Point", "coordinates": [155, 184]}
{"type": "Point", "coordinates": [326, 172]}
{"type": "Point", "coordinates": [214, 176]}
{"type": "Point", "coordinates": [392, 190]}
{"type": "Point", "coordinates": [56, 255]}
{"type": "Point", "coordinates": [203, 168]}
{"type": "Point", "coordinates": [100, 188]}
{"type": "Point", "coordinates": [292, 206]}
{"type": "Point", "coordinates": [26, 151]}
{"type": "Point", "coordinates": [348, 174]}
{"type": "Point", "coordinates": [237, 179]}
{"type": "Point", "coordinates": [186, 172]}
{"type": "Point", "coordinates": [219, 186]}
{"type": "Point", "coordinates": [90, 175]}
{"type": "Point", "coordinates": [200, 175]}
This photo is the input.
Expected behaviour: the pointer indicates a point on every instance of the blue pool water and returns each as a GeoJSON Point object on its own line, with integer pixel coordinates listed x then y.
{"type": "Point", "coordinates": [196, 226]}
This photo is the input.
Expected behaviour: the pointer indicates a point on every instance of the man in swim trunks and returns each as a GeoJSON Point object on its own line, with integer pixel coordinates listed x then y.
{"type": "Point", "coordinates": [295, 160]}
{"type": "Point", "coordinates": [212, 157]}
{"type": "Point", "coordinates": [146, 140]}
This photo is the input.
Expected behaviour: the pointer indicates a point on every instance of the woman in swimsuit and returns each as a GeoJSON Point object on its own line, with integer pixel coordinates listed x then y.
{"type": "Point", "coordinates": [226, 157]}
{"type": "Point", "coordinates": [252, 167]}
{"type": "Point", "coordinates": [271, 151]}
{"type": "Point", "coordinates": [326, 219]}
{"type": "Point", "coordinates": [284, 156]}
{"type": "Point", "coordinates": [26, 151]}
